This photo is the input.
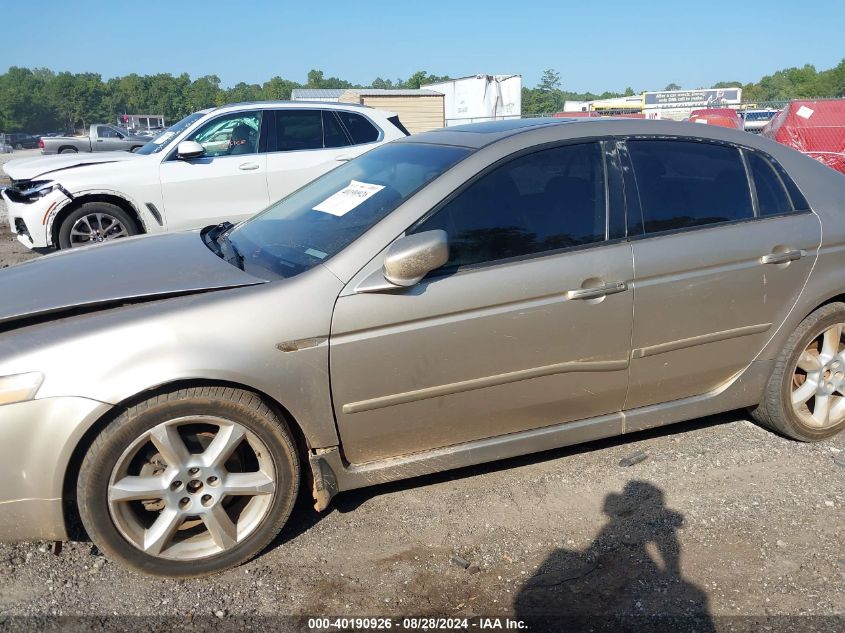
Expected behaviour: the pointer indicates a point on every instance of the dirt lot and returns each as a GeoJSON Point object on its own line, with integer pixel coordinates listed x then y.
{"type": "Point", "coordinates": [722, 523]}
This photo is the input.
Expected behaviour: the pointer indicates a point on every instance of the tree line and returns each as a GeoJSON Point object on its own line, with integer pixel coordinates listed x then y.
{"type": "Point", "coordinates": [791, 83]}
{"type": "Point", "coordinates": [40, 100]}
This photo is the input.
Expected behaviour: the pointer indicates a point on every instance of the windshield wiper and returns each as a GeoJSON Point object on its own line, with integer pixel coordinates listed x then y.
{"type": "Point", "coordinates": [217, 239]}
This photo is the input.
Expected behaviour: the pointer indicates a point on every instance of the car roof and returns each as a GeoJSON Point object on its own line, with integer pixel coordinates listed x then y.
{"type": "Point", "coordinates": [478, 135]}
{"type": "Point", "coordinates": [331, 105]}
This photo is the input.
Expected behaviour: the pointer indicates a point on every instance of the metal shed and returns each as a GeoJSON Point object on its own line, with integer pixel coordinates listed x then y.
{"type": "Point", "coordinates": [329, 95]}
{"type": "Point", "coordinates": [419, 110]}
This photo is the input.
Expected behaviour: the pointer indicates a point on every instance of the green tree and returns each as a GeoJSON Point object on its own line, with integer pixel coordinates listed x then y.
{"type": "Point", "coordinates": [316, 79]}
{"type": "Point", "coordinates": [278, 89]}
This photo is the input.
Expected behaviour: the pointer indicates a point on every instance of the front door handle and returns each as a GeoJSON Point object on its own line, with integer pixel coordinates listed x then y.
{"type": "Point", "coordinates": [781, 258]}
{"type": "Point", "coordinates": [248, 166]}
{"type": "Point", "coordinates": [343, 159]}
{"type": "Point", "coordinates": [599, 291]}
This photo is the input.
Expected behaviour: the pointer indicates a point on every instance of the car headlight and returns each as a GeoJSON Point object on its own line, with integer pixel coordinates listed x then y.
{"type": "Point", "coordinates": [37, 189]}
{"type": "Point", "coordinates": [19, 387]}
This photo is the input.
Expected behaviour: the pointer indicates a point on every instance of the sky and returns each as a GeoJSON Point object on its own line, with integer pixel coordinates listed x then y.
{"type": "Point", "coordinates": [595, 46]}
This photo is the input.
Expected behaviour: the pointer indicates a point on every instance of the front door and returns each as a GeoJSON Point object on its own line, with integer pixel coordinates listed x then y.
{"type": "Point", "coordinates": [720, 260]}
{"type": "Point", "coordinates": [229, 182]}
{"type": "Point", "coordinates": [527, 326]}
{"type": "Point", "coordinates": [108, 139]}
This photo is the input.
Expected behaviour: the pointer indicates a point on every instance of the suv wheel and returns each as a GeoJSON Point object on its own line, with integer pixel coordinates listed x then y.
{"type": "Point", "coordinates": [95, 222]}
{"type": "Point", "coordinates": [805, 396]}
{"type": "Point", "coordinates": [190, 482]}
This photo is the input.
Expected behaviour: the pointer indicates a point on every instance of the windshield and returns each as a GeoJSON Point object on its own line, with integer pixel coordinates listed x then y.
{"type": "Point", "coordinates": [325, 216]}
{"type": "Point", "coordinates": [161, 139]}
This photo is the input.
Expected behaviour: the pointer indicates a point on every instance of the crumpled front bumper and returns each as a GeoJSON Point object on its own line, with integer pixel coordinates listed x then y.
{"type": "Point", "coordinates": [31, 222]}
{"type": "Point", "coordinates": [37, 439]}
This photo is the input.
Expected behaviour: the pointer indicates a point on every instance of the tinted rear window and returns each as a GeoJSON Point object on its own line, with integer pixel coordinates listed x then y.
{"type": "Point", "coordinates": [688, 183]}
{"type": "Point", "coordinates": [298, 129]}
{"type": "Point", "coordinates": [359, 128]}
{"type": "Point", "coordinates": [772, 197]}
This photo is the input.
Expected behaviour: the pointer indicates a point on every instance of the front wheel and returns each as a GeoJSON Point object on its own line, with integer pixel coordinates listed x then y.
{"type": "Point", "coordinates": [95, 222]}
{"type": "Point", "coordinates": [805, 396]}
{"type": "Point", "coordinates": [190, 482]}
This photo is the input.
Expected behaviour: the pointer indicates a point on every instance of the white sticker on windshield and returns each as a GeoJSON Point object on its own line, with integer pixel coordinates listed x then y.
{"type": "Point", "coordinates": [805, 112]}
{"type": "Point", "coordinates": [348, 198]}
{"type": "Point", "coordinates": [166, 136]}
{"type": "Point", "coordinates": [315, 253]}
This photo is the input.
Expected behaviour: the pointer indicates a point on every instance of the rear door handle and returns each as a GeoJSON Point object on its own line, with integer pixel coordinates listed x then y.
{"type": "Point", "coordinates": [248, 166]}
{"type": "Point", "coordinates": [599, 291]}
{"type": "Point", "coordinates": [781, 258]}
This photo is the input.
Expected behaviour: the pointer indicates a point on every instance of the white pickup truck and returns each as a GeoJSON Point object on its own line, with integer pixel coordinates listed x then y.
{"type": "Point", "coordinates": [216, 165]}
{"type": "Point", "coordinates": [101, 138]}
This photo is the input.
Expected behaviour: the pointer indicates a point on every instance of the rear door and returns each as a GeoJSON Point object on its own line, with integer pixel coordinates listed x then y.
{"type": "Point", "coordinates": [307, 143]}
{"type": "Point", "coordinates": [718, 265]}
{"type": "Point", "coordinates": [229, 182]}
{"type": "Point", "coordinates": [528, 325]}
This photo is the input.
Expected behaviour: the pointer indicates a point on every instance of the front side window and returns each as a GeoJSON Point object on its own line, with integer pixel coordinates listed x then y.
{"type": "Point", "coordinates": [230, 135]}
{"type": "Point", "coordinates": [688, 183]}
{"type": "Point", "coordinates": [359, 128]}
{"type": "Point", "coordinates": [772, 197]}
{"type": "Point", "coordinates": [543, 201]}
{"type": "Point", "coordinates": [104, 131]}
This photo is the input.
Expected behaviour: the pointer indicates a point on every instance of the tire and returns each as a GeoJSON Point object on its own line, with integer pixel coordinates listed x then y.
{"type": "Point", "coordinates": [18, 146]}
{"type": "Point", "coordinates": [193, 549]}
{"type": "Point", "coordinates": [102, 221]}
{"type": "Point", "coordinates": [68, 150]}
{"type": "Point", "coordinates": [809, 344]}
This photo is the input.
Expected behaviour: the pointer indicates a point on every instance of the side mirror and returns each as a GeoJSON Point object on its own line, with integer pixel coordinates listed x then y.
{"type": "Point", "coordinates": [189, 149]}
{"type": "Point", "coordinates": [412, 257]}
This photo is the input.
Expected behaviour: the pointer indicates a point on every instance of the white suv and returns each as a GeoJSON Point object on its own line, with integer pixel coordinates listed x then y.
{"type": "Point", "coordinates": [222, 164]}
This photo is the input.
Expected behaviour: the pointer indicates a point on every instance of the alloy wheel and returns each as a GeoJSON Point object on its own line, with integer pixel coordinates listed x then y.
{"type": "Point", "coordinates": [191, 488]}
{"type": "Point", "coordinates": [818, 382]}
{"type": "Point", "coordinates": [96, 227]}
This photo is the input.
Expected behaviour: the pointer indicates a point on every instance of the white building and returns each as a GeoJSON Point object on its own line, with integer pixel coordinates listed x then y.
{"type": "Point", "coordinates": [480, 98]}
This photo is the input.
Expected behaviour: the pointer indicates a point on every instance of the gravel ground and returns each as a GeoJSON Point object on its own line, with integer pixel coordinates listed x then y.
{"type": "Point", "coordinates": [721, 520]}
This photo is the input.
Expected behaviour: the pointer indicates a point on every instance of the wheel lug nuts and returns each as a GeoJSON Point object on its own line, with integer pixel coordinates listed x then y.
{"type": "Point", "coordinates": [176, 485]}
{"type": "Point", "coordinates": [184, 502]}
{"type": "Point", "coordinates": [206, 500]}
{"type": "Point", "coordinates": [212, 481]}
{"type": "Point", "coordinates": [193, 471]}
{"type": "Point", "coordinates": [194, 485]}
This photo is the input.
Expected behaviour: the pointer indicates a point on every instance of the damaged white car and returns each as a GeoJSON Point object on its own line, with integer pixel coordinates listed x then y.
{"type": "Point", "coordinates": [222, 164]}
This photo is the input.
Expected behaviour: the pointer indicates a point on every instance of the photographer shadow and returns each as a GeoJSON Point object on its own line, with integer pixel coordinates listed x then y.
{"type": "Point", "coordinates": [628, 579]}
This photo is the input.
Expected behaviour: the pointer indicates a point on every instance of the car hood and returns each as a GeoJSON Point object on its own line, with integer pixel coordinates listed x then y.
{"type": "Point", "coordinates": [30, 168]}
{"type": "Point", "coordinates": [115, 273]}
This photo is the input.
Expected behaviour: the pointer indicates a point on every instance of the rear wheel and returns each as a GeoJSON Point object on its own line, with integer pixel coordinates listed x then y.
{"type": "Point", "coordinates": [805, 396]}
{"type": "Point", "coordinates": [95, 222]}
{"type": "Point", "coordinates": [190, 482]}
{"type": "Point", "coordinates": [68, 150]}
